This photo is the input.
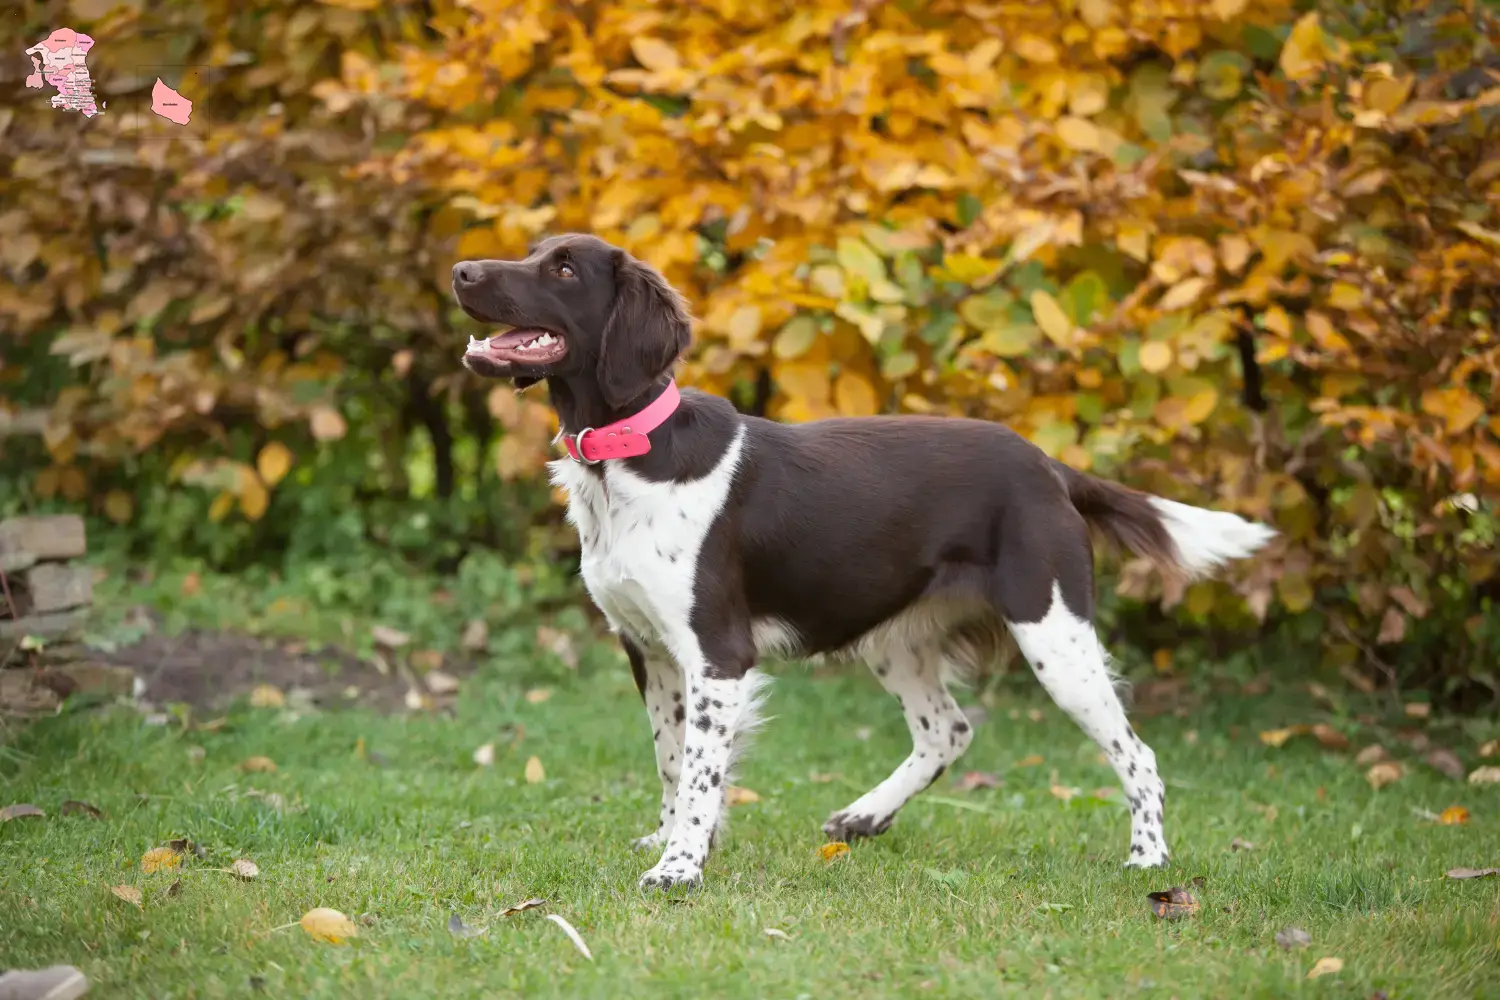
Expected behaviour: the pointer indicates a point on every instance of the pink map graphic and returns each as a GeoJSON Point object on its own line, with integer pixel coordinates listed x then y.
{"type": "Point", "coordinates": [59, 59]}
{"type": "Point", "coordinates": [170, 104]}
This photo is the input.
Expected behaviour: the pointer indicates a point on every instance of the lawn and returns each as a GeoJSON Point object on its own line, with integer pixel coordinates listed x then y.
{"type": "Point", "coordinates": [1011, 890]}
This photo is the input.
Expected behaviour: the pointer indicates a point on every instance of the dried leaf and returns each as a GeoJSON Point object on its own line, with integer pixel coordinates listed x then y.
{"type": "Point", "coordinates": [1372, 754]}
{"type": "Point", "coordinates": [244, 868]}
{"type": "Point", "coordinates": [1490, 749]}
{"type": "Point", "coordinates": [1293, 938]}
{"type": "Point", "coordinates": [1453, 816]}
{"type": "Point", "coordinates": [1064, 792]}
{"type": "Point", "coordinates": [476, 635]}
{"type": "Point", "coordinates": [1385, 773]}
{"type": "Point", "coordinates": [331, 926]}
{"type": "Point", "coordinates": [160, 859]}
{"type": "Point", "coordinates": [534, 772]}
{"type": "Point", "coordinates": [572, 935]}
{"type": "Point", "coordinates": [1418, 710]}
{"type": "Point", "coordinates": [736, 796]}
{"type": "Point", "coordinates": [977, 779]}
{"type": "Point", "coordinates": [1466, 873]}
{"type": "Point", "coordinates": [1484, 776]}
{"type": "Point", "coordinates": [1278, 737]}
{"type": "Point", "coordinates": [1241, 845]}
{"type": "Point", "coordinates": [267, 696]}
{"type": "Point", "coordinates": [779, 935]}
{"type": "Point", "coordinates": [74, 807]}
{"type": "Point", "coordinates": [1173, 904]}
{"type": "Point", "coordinates": [538, 695]}
{"type": "Point", "coordinates": [273, 462]}
{"type": "Point", "coordinates": [439, 682]}
{"type": "Point", "coordinates": [1031, 760]}
{"type": "Point", "coordinates": [833, 850]}
{"type": "Point", "coordinates": [1325, 966]}
{"type": "Point", "coordinates": [258, 765]}
{"type": "Point", "coordinates": [389, 637]}
{"type": "Point", "coordinates": [484, 755]}
{"type": "Point", "coordinates": [19, 810]}
{"type": "Point", "coordinates": [1330, 738]}
{"type": "Point", "coordinates": [523, 906]}
{"type": "Point", "coordinates": [129, 893]}
{"type": "Point", "coordinates": [1446, 761]}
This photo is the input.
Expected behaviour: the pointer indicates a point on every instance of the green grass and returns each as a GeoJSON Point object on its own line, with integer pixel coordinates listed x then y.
{"type": "Point", "coordinates": [998, 892]}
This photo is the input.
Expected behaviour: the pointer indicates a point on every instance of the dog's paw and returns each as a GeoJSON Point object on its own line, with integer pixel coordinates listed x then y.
{"type": "Point", "coordinates": [1142, 857]}
{"type": "Point", "coordinates": [846, 825]}
{"type": "Point", "coordinates": [650, 842]}
{"type": "Point", "coordinates": [668, 874]}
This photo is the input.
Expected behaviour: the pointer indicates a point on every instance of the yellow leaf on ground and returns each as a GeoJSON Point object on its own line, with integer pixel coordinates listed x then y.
{"type": "Point", "coordinates": [855, 396]}
{"type": "Point", "coordinates": [1325, 966]}
{"type": "Point", "coordinates": [1031, 760]}
{"type": "Point", "coordinates": [273, 462]}
{"type": "Point", "coordinates": [267, 696]}
{"type": "Point", "coordinates": [254, 499]}
{"type": "Point", "coordinates": [1278, 737]}
{"type": "Point", "coordinates": [1485, 776]}
{"type": "Point", "coordinates": [833, 849]}
{"type": "Point", "coordinates": [324, 924]}
{"type": "Point", "coordinates": [1182, 294]}
{"type": "Point", "coordinates": [1458, 407]}
{"type": "Point", "coordinates": [535, 774]}
{"type": "Point", "coordinates": [538, 695]}
{"type": "Point", "coordinates": [1156, 357]}
{"type": "Point", "coordinates": [654, 54]}
{"type": "Point", "coordinates": [129, 893]}
{"type": "Point", "coordinates": [1304, 52]}
{"type": "Point", "coordinates": [1051, 318]}
{"type": "Point", "coordinates": [1384, 773]}
{"type": "Point", "coordinates": [259, 764]}
{"type": "Point", "coordinates": [1453, 816]}
{"type": "Point", "coordinates": [737, 796]}
{"type": "Point", "coordinates": [1078, 133]}
{"type": "Point", "coordinates": [160, 859]}
{"type": "Point", "coordinates": [118, 506]}
{"type": "Point", "coordinates": [244, 868]}
{"type": "Point", "coordinates": [327, 423]}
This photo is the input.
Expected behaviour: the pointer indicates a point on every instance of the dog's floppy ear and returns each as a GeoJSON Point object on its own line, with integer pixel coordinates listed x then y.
{"type": "Point", "coordinates": [648, 327]}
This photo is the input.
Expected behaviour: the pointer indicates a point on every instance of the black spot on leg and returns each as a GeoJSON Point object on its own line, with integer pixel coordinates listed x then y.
{"type": "Point", "coordinates": [697, 821]}
{"type": "Point", "coordinates": [680, 714]}
{"type": "Point", "coordinates": [676, 695]}
{"type": "Point", "coordinates": [1151, 836]}
{"type": "Point", "coordinates": [1137, 849]}
{"type": "Point", "coordinates": [1040, 666]}
{"type": "Point", "coordinates": [672, 558]}
{"type": "Point", "coordinates": [1115, 746]}
{"type": "Point", "coordinates": [960, 727]}
{"type": "Point", "coordinates": [702, 705]}
{"type": "Point", "coordinates": [715, 779]}
{"type": "Point", "coordinates": [722, 730]}
{"type": "Point", "coordinates": [923, 720]}
{"type": "Point", "coordinates": [1132, 769]}
{"type": "Point", "coordinates": [656, 736]}
{"type": "Point", "coordinates": [718, 704]}
{"type": "Point", "coordinates": [703, 723]}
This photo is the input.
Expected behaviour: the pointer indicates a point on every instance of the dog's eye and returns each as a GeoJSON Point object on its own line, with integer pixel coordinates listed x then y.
{"type": "Point", "coordinates": [565, 271]}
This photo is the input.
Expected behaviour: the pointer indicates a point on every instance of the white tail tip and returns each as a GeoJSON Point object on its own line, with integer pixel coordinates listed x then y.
{"type": "Point", "coordinates": [1207, 539]}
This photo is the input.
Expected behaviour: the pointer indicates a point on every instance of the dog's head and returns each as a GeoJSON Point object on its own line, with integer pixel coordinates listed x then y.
{"type": "Point", "coordinates": [578, 309]}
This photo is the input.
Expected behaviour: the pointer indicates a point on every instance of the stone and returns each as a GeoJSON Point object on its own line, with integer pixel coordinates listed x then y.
{"type": "Point", "coordinates": [55, 587]}
{"type": "Point", "coordinates": [58, 625]}
{"type": "Point", "coordinates": [43, 537]}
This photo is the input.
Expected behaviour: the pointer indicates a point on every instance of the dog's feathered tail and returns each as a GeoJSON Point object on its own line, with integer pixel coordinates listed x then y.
{"type": "Point", "coordinates": [1180, 540]}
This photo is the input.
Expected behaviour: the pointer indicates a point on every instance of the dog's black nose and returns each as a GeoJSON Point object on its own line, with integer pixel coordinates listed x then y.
{"type": "Point", "coordinates": [466, 272]}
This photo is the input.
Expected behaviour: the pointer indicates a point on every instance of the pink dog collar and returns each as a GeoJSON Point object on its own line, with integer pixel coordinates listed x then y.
{"type": "Point", "coordinates": [624, 438]}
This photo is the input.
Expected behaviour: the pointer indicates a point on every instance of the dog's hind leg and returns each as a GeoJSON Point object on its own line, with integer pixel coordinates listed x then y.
{"type": "Point", "coordinates": [940, 733]}
{"type": "Point", "coordinates": [661, 685]}
{"type": "Point", "coordinates": [1064, 652]}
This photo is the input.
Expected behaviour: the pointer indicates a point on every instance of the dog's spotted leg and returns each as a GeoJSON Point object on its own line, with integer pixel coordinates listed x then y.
{"type": "Point", "coordinates": [1065, 654]}
{"type": "Point", "coordinates": [940, 733]}
{"type": "Point", "coordinates": [718, 710]}
{"type": "Point", "coordinates": [661, 686]}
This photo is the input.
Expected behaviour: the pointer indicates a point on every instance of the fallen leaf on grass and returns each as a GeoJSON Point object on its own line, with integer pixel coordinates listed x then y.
{"type": "Point", "coordinates": [484, 755]}
{"type": "Point", "coordinates": [1372, 754]}
{"type": "Point", "coordinates": [780, 935]}
{"type": "Point", "coordinates": [538, 695]}
{"type": "Point", "coordinates": [267, 696]}
{"type": "Point", "coordinates": [572, 935]}
{"type": "Point", "coordinates": [1173, 904]}
{"type": "Point", "coordinates": [74, 807]}
{"type": "Point", "coordinates": [1325, 966]}
{"type": "Point", "coordinates": [977, 779]}
{"type": "Point", "coordinates": [1289, 938]}
{"type": "Point", "coordinates": [324, 924]}
{"type": "Point", "coordinates": [391, 638]}
{"type": "Point", "coordinates": [476, 635]}
{"type": "Point", "coordinates": [160, 859]}
{"type": "Point", "coordinates": [1241, 845]}
{"type": "Point", "coordinates": [1278, 737]}
{"type": "Point", "coordinates": [1446, 761]}
{"type": "Point", "coordinates": [1384, 773]}
{"type": "Point", "coordinates": [258, 765]}
{"type": "Point", "coordinates": [19, 810]}
{"type": "Point", "coordinates": [534, 772]}
{"type": "Point", "coordinates": [833, 850]}
{"type": "Point", "coordinates": [523, 906]}
{"type": "Point", "coordinates": [440, 682]}
{"type": "Point", "coordinates": [559, 644]}
{"type": "Point", "coordinates": [737, 796]}
{"type": "Point", "coordinates": [416, 701]}
{"type": "Point", "coordinates": [1490, 749]}
{"type": "Point", "coordinates": [1453, 816]}
{"type": "Point", "coordinates": [427, 660]}
{"type": "Point", "coordinates": [1418, 710]}
{"type": "Point", "coordinates": [1064, 792]}
{"type": "Point", "coordinates": [244, 868]}
{"type": "Point", "coordinates": [1330, 738]}
{"type": "Point", "coordinates": [1462, 873]}
{"type": "Point", "coordinates": [1032, 760]}
{"type": "Point", "coordinates": [459, 929]}
{"type": "Point", "coordinates": [1485, 776]}
{"type": "Point", "coordinates": [129, 893]}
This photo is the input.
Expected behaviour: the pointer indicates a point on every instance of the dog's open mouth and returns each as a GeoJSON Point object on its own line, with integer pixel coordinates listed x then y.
{"type": "Point", "coordinates": [523, 346]}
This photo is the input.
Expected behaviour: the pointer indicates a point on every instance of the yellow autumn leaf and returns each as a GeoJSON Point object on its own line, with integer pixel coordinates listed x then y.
{"type": "Point", "coordinates": [258, 765]}
{"type": "Point", "coordinates": [1051, 318]}
{"type": "Point", "coordinates": [118, 506]}
{"type": "Point", "coordinates": [244, 868]}
{"type": "Point", "coordinates": [1384, 773]}
{"type": "Point", "coordinates": [160, 859]}
{"type": "Point", "coordinates": [129, 893]}
{"type": "Point", "coordinates": [1035, 49]}
{"type": "Point", "coordinates": [1078, 133]}
{"type": "Point", "coordinates": [737, 796]}
{"type": "Point", "coordinates": [273, 462]}
{"type": "Point", "coordinates": [654, 54]}
{"type": "Point", "coordinates": [1030, 760]}
{"type": "Point", "coordinates": [833, 850]}
{"type": "Point", "coordinates": [254, 499]}
{"type": "Point", "coordinates": [1182, 294]}
{"type": "Point", "coordinates": [1458, 407]}
{"type": "Point", "coordinates": [1453, 816]}
{"type": "Point", "coordinates": [1156, 357]}
{"type": "Point", "coordinates": [855, 396]}
{"type": "Point", "coordinates": [267, 696]}
{"type": "Point", "coordinates": [328, 925]}
{"type": "Point", "coordinates": [327, 423]}
{"type": "Point", "coordinates": [535, 774]}
{"type": "Point", "coordinates": [221, 506]}
{"type": "Point", "coordinates": [538, 695]}
{"type": "Point", "coordinates": [1325, 967]}
{"type": "Point", "coordinates": [1304, 53]}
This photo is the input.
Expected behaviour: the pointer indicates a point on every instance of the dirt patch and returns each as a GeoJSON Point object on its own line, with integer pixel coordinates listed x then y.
{"type": "Point", "coordinates": [209, 670]}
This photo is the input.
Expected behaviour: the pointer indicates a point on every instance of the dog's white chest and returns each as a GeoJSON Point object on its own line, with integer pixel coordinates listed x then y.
{"type": "Point", "coordinates": [641, 540]}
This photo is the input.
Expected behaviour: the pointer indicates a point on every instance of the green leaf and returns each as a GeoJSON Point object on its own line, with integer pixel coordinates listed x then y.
{"type": "Point", "coordinates": [795, 338]}
{"type": "Point", "coordinates": [1084, 296]}
{"type": "Point", "coordinates": [969, 208]}
{"type": "Point", "coordinates": [856, 257]}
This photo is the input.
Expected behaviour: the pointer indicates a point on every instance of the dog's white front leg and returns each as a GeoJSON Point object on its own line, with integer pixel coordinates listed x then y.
{"type": "Point", "coordinates": [721, 704]}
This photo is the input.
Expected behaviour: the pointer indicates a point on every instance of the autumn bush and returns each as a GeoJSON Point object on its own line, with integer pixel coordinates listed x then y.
{"type": "Point", "coordinates": [1237, 252]}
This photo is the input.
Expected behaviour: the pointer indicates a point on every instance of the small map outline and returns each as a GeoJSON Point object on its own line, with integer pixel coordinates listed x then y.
{"type": "Point", "coordinates": [169, 82]}
{"type": "Point", "coordinates": [61, 59]}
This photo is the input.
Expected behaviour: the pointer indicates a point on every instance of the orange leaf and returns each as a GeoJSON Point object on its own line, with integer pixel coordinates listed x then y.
{"type": "Point", "coordinates": [833, 850]}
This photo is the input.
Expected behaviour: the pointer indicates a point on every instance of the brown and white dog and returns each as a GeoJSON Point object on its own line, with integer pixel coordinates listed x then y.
{"type": "Point", "coordinates": [710, 539]}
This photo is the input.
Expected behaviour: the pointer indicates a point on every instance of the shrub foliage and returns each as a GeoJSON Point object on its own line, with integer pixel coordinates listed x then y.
{"type": "Point", "coordinates": [1237, 252]}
